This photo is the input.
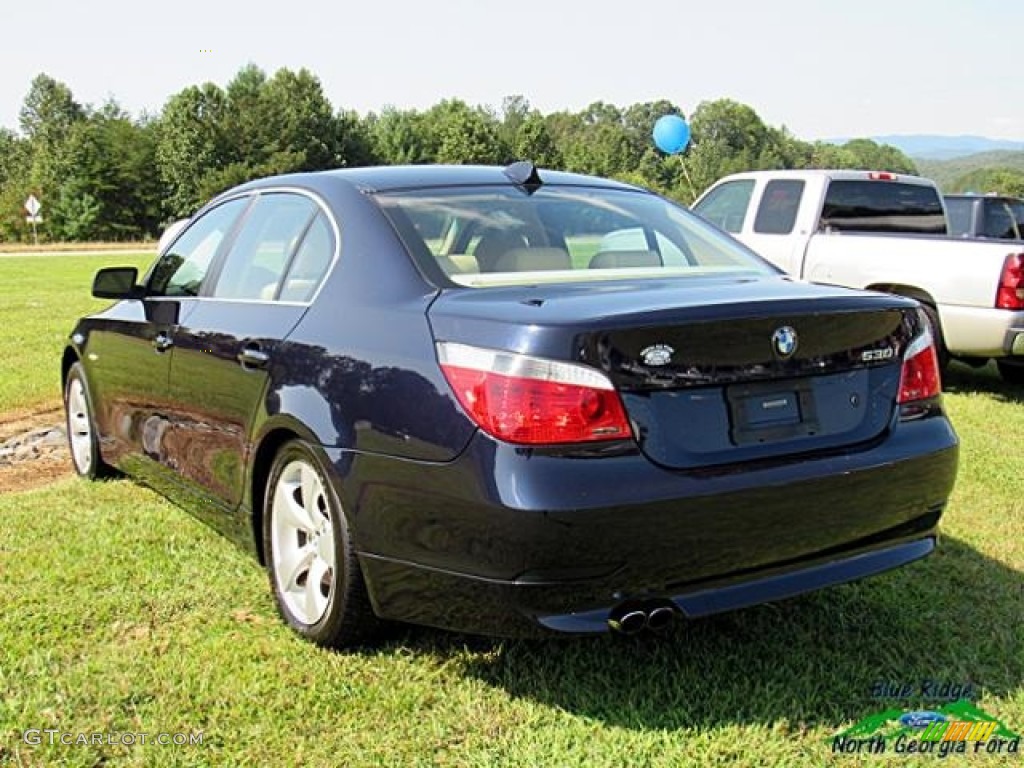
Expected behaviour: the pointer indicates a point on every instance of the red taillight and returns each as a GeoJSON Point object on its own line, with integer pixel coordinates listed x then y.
{"type": "Point", "coordinates": [920, 378]}
{"type": "Point", "coordinates": [532, 401]}
{"type": "Point", "coordinates": [882, 176]}
{"type": "Point", "coordinates": [1010, 294]}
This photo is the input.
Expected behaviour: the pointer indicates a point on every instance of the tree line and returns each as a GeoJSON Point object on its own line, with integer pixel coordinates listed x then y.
{"type": "Point", "coordinates": [102, 174]}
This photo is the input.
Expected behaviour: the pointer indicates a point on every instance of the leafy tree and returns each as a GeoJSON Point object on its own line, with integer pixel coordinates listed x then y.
{"type": "Point", "coordinates": [15, 163]}
{"type": "Point", "coordinates": [533, 141]}
{"type": "Point", "coordinates": [1002, 181]}
{"type": "Point", "coordinates": [48, 116]}
{"type": "Point", "coordinates": [354, 142]}
{"type": "Point", "coordinates": [190, 144]}
{"type": "Point", "coordinates": [728, 137]}
{"type": "Point", "coordinates": [302, 121]}
{"type": "Point", "coordinates": [49, 110]}
{"type": "Point", "coordinates": [869, 155]}
{"type": "Point", "coordinates": [399, 137]}
{"type": "Point", "coordinates": [515, 111]}
{"type": "Point", "coordinates": [75, 214]}
{"type": "Point", "coordinates": [464, 134]}
{"type": "Point", "coordinates": [593, 140]}
{"type": "Point", "coordinates": [14, 156]}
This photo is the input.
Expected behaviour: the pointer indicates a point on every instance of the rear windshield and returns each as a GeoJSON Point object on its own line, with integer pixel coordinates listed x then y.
{"type": "Point", "coordinates": [483, 236]}
{"type": "Point", "coordinates": [882, 206]}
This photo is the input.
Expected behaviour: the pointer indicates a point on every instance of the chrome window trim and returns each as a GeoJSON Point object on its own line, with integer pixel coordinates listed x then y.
{"type": "Point", "coordinates": [254, 193]}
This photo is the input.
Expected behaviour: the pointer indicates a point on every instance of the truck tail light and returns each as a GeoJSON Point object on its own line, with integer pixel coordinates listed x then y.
{"type": "Point", "coordinates": [882, 176]}
{"type": "Point", "coordinates": [920, 378]}
{"type": "Point", "coordinates": [1010, 294]}
{"type": "Point", "coordinates": [530, 400]}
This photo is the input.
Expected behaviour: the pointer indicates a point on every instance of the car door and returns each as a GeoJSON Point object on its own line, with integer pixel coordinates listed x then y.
{"type": "Point", "coordinates": [771, 234]}
{"type": "Point", "coordinates": [130, 349]}
{"type": "Point", "coordinates": [224, 349]}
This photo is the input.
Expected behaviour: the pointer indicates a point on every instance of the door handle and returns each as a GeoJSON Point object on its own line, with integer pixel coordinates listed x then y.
{"type": "Point", "coordinates": [162, 342]}
{"type": "Point", "coordinates": [252, 356]}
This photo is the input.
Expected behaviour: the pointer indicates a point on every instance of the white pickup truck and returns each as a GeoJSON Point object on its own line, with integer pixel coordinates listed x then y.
{"type": "Point", "coordinates": [884, 232]}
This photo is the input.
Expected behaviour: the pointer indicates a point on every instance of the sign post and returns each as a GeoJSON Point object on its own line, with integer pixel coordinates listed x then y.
{"type": "Point", "coordinates": [33, 206]}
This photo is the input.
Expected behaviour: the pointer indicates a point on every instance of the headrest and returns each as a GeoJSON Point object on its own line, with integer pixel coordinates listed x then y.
{"type": "Point", "coordinates": [533, 259]}
{"type": "Point", "coordinates": [624, 259]}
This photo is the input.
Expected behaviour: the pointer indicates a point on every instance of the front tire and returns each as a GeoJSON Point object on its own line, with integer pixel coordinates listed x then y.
{"type": "Point", "coordinates": [314, 573]}
{"type": "Point", "coordinates": [83, 442]}
{"type": "Point", "coordinates": [1012, 373]}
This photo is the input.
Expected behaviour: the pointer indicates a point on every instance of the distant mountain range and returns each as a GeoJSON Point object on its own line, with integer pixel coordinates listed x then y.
{"type": "Point", "coordinates": [933, 147]}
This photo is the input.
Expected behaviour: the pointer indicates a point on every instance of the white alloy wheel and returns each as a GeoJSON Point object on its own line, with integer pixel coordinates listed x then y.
{"type": "Point", "coordinates": [302, 537]}
{"type": "Point", "coordinates": [83, 439]}
{"type": "Point", "coordinates": [80, 434]}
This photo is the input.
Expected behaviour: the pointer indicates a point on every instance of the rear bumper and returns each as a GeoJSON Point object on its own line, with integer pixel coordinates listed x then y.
{"type": "Point", "coordinates": [509, 541]}
{"type": "Point", "coordinates": [980, 332]}
{"type": "Point", "coordinates": [763, 588]}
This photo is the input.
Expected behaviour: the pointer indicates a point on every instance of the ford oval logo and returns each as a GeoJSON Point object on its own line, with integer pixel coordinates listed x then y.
{"type": "Point", "coordinates": [657, 354]}
{"type": "Point", "coordinates": [784, 341]}
{"type": "Point", "coordinates": [921, 718]}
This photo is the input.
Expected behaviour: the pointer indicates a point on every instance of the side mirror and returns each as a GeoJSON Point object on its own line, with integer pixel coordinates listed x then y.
{"type": "Point", "coordinates": [116, 283]}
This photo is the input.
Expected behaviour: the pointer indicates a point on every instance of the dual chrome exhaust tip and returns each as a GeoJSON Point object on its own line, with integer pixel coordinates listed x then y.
{"type": "Point", "coordinates": [636, 617]}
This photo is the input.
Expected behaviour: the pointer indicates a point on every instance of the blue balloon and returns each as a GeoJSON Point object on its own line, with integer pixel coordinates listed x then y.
{"type": "Point", "coordinates": [671, 134]}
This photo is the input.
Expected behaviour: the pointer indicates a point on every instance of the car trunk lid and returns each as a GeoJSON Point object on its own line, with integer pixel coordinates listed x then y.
{"type": "Point", "coordinates": [711, 371]}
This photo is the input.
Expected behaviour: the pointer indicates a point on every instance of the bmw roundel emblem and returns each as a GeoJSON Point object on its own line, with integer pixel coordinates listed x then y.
{"type": "Point", "coordinates": [784, 341]}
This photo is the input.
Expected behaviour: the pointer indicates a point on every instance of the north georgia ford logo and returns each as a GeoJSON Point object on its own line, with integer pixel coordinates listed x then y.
{"type": "Point", "coordinates": [784, 341]}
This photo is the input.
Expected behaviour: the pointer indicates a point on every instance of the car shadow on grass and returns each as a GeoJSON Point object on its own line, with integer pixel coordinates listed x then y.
{"type": "Point", "coordinates": [962, 379]}
{"type": "Point", "coordinates": [812, 661]}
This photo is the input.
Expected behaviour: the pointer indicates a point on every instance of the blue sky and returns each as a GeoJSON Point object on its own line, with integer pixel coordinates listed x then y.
{"type": "Point", "coordinates": [820, 67]}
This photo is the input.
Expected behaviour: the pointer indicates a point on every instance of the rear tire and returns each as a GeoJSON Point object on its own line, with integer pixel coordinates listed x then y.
{"type": "Point", "coordinates": [1012, 373]}
{"type": "Point", "coordinates": [314, 573]}
{"type": "Point", "coordinates": [79, 419]}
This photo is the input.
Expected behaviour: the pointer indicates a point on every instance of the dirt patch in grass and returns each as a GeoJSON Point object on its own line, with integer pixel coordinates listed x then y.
{"type": "Point", "coordinates": [22, 420]}
{"type": "Point", "coordinates": [45, 457]}
{"type": "Point", "coordinates": [34, 474]}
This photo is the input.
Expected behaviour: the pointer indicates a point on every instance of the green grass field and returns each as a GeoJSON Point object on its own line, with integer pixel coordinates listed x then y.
{"type": "Point", "coordinates": [120, 613]}
{"type": "Point", "coordinates": [42, 296]}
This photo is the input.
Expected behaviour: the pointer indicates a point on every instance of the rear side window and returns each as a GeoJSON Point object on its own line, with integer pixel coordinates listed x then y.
{"type": "Point", "coordinates": [726, 205]}
{"type": "Point", "coordinates": [882, 206]}
{"type": "Point", "coordinates": [776, 214]}
{"type": "Point", "coordinates": [315, 254]}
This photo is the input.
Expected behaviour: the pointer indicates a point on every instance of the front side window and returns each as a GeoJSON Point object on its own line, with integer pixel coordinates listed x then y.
{"type": "Point", "coordinates": [780, 201]}
{"type": "Point", "coordinates": [500, 235]}
{"type": "Point", "coordinates": [259, 257]}
{"type": "Point", "coordinates": [882, 206]}
{"type": "Point", "coordinates": [181, 270]}
{"type": "Point", "coordinates": [726, 205]}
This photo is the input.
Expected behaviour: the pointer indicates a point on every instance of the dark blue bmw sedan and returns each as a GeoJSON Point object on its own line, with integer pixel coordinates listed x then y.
{"type": "Point", "coordinates": [510, 401]}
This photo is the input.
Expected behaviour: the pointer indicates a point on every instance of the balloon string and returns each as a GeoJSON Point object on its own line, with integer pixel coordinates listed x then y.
{"type": "Point", "coordinates": [689, 181]}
